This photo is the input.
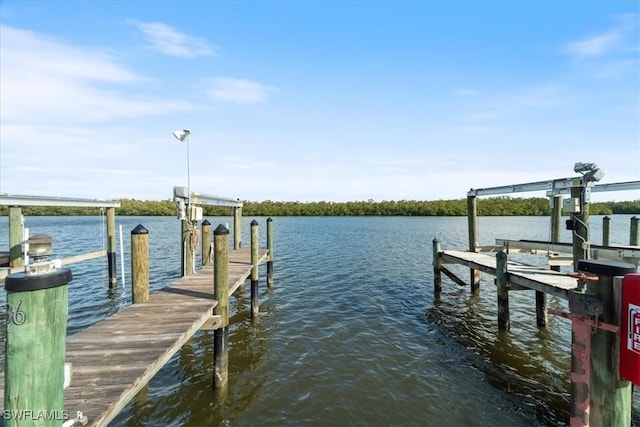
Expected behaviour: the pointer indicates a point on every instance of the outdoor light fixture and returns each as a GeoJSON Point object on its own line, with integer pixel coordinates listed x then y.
{"type": "Point", "coordinates": [590, 171]}
{"type": "Point", "coordinates": [183, 135]}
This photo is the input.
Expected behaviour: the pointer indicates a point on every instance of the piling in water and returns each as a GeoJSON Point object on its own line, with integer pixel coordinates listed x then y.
{"type": "Point", "coordinates": [139, 264]}
{"type": "Point", "coordinates": [270, 249]}
{"type": "Point", "coordinates": [221, 295]}
{"type": "Point", "coordinates": [207, 249]}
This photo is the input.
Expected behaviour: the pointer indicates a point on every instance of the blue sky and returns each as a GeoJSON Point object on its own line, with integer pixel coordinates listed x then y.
{"type": "Point", "coordinates": [315, 100]}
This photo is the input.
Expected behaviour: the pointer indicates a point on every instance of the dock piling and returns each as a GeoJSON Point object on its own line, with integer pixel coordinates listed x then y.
{"type": "Point", "coordinates": [606, 231]}
{"type": "Point", "coordinates": [237, 228]}
{"type": "Point", "coordinates": [111, 248]}
{"type": "Point", "coordinates": [503, 291]}
{"type": "Point", "coordinates": [437, 272]}
{"type": "Point", "coordinates": [139, 264]}
{"type": "Point", "coordinates": [634, 231]}
{"type": "Point", "coordinates": [472, 218]}
{"type": "Point", "coordinates": [270, 249]}
{"type": "Point", "coordinates": [207, 255]}
{"type": "Point", "coordinates": [221, 294]}
{"type": "Point", "coordinates": [255, 305]}
{"type": "Point", "coordinates": [36, 328]}
{"type": "Point", "coordinates": [16, 259]}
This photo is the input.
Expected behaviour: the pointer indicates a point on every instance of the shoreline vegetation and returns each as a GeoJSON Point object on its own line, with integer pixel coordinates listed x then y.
{"type": "Point", "coordinates": [491, 206]}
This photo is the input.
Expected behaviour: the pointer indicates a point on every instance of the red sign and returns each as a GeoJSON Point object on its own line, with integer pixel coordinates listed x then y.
{"type": "Point", "coordinates": [630, 329]}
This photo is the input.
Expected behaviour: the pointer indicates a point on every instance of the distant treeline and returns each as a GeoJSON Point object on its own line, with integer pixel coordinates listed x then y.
{"type": "Point", "coordinates": [493, 206]}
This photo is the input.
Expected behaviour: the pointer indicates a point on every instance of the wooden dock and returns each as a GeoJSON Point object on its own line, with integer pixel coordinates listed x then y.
{"type": "Point", "coordinates": [519, 275]}
{"type": "Point", "coordinates": [113, 359]}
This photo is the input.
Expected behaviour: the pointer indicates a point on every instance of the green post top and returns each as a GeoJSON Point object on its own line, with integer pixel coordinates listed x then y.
{"type": "Point", "coordinates": [608, 268]}
{"type": "Point", "coordinates": [22, 282]}
{"type": "Point", "coordinates": [269, 219]}
{"type": "Point", "coordinates": [140, 230]}
{"type": "Point", "coordinates": [221, 229]}
{"type": "Point", "coordinates": [206, 222]}
{"type": "Point", "coordinates": [254, 223]}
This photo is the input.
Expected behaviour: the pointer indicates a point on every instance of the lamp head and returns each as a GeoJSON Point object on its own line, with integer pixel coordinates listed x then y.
{"type": "Point", "coordinates": [591, 171]}
{"type": "Point", "coordinates": [181, 134]}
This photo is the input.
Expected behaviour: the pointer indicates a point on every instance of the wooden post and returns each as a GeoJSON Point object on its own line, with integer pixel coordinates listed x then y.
{"type": "Point", "coordinates": [188, 254]}
{"type": "Point", "coordinates": [16, 260]}
{"type": "Point", "coordinates": [606, 231]}
{"type": "Point", "coordinates": [207, 253]}
{"type": "Point", "coordinates": [36, 329]}
{"type": "Point", "coordinates": [221, 295]}
{"type": "Point", "coordinates": [580, 371]}
{"type": "Point", "coordinates": [237, 228]}
{"type": "Point", "coordinates": [610, 401]}
{"type": "Point", "coordinates": [581, 219]}
{"type": "Point", "coordinates": [437, 273]}
{"type": "Point", "coordinates": [139, 264]}
{"type": "Point", "coordinates": [634, 231]}
{"type": "Point", "coordinates": [255, 305]}
{"type": "Point", "coordinates": [270, 249]}
{"type": "Point", "coordinates": [503, 291]}
{"type": "Point", "coordinates": [472, 219]}
{"type": "Point", "coordinates": [541, 297]}
{"type": "Point", "coordinates": [111, 248]}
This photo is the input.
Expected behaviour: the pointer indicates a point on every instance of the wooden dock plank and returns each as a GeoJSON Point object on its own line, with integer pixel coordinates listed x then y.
{"type": "Point", "coordinates": [113, 359]}
{"type": "Point", "coordinates": [531, 277]}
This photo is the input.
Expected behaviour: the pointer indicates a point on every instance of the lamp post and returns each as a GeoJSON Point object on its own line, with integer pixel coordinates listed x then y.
{"type": "Point", "coordinates": [183, 135]}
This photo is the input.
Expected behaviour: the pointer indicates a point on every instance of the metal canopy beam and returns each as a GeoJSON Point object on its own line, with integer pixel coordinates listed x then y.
{"type": "Point", "coordinates": [209, 200]}
{"type": "Point", "coordinates": [22, 200]}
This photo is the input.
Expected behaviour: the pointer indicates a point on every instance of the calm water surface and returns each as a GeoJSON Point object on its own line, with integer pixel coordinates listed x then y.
{"type": "Point", "coordinates": [351, 333]}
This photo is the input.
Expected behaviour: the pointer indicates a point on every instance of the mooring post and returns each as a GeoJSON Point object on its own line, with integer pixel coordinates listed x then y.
{"type": "Point", "coordinates": [634, 231]}
{"type": "Point", "coordinates": [472, 219]}
{"type": "Point", "coordinates": [255, 305]}
{"type": "Point", "coordinates": [221, 295]}
{"type": "Point", "coordinates": [541, 297]}
{"type": "Point", "coordinates": [139, 264]}
{"type": "Point", "coordinates": [35, 333]}
{"type": "Point", "coordinates": [189, 243]}
{"type": "Point", "coordinates": [237, 227]}
{"type": "Point", "coordinates": [207, 253]}
{"type": "Point", "coordinates": [606, 231]}
{"type": "Point", "coordinates": [437, 273]}
{"type": "Point", "coordinates": [503, 291]}
{"type": "Point", "coordinates": [16, 260]}
{"type": "Point", "coordinates": [610, 397]}
{"type": "Point", "coordinates": [111, 248]}
{"type": "Point", "coordinates": [270, 249]}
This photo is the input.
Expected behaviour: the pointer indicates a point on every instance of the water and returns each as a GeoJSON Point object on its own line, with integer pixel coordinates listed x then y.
{"type": "Point", "coordinates": [351, 333]}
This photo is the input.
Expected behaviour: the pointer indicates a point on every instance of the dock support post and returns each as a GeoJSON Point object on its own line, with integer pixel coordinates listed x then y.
{"type": "Point", "coordinates": [472, 219]}
{"type": "Point", "coordinates": [36, 329]}
{"type": "Point", "coordinates": [503, 291]}
{"type": "Point", "coordinates": [207, 253]}
{"type": "Point", "coordinates": [270, 249]}
{"type": "Point", "coordinates": [606, 231]}
{"type": "Point", "coordinates": [437, 273]}
{"type": "Point", "coordinates": [255, 305]}
{"type": "Point", "coordinates": [580, 371]}
{"type": "Point", "coordinates": [189, 237]}
{"type": "Point", "coordinates": [581, 222]}
{"type": "Point", "coordinates": [237, 228]}
{"type": "Point", "coordinates": [111, 248]}
{"type": "Point", "coordinates": [610, 397]}
{"type": "Point", "coordinates": [16, 259]}
{"type": "Point", "coordinates": [221, 295]}
{"type": "Point", "coordinates": [139, 264]}
{"type": "Point", "coordinates": [634, 231]}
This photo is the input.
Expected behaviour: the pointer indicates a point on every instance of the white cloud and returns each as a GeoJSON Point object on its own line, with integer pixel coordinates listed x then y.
{"type": "Point", "coordinates": [466, 92]}
{"type": "Point", "coordinates": [168, 41]}
{"type": "Point", "coordinates": [596, 45]}
{"type": "Point", "coordinates": [238, 91]}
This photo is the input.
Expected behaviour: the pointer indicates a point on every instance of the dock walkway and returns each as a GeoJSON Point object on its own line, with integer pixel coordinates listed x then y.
{"type": "Point", "coordinates": [113, 359]}
{"type": "Point", "coordinates": [527, 276]}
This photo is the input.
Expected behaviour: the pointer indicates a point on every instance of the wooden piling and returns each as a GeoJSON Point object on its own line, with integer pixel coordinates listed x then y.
{"type": "Point", "coordinates": [139, 264]}
{"type": "Point", "coordinates": [255, 304]}
{"type": "Point", "coordinates": [111, 248]}
{"type": "Point", "coordinates": [270, 249]}
{"type": "Point", "coordinates": [36, 327]}
{"type": "Point", "coordinates": [541, 297]}
{"type": "Point", "coordinates": [188, 250]}
{"type": "Point", "coordinates": [221, 295]}
{"type": "Point", "coordinates": [16, 259]}
{"type": "Point", "coordinates": [437, 272]}
{"type": "Point", "coordinates": [634, 231]}
{"type": "Point", "coordinates": [237, 227]}
{"type": "Point", "coordinates": [472, 219]}
{"type": "Point", "coordinates": [207, 253]}
{"type": "Point", "coordinates": [606, 231]}
{"type": "Point", "coordinates": [581, 222]}
{"type": "Point", "coordinates": [610, 397]}
{"type": "Point", "coordinates": [503, 291]}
